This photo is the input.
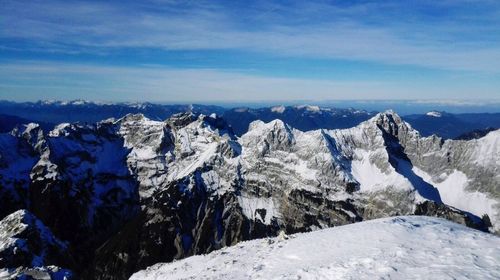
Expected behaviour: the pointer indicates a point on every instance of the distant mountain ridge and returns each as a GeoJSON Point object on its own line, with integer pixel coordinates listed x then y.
{"type": "Point", "coordinates": [475, 134]}
{"type": "Point", "coordinates": [7, 123]}
{"type": "Point", "coordinates": [452, 126]}
{"type": "Point", "coordinates": [303, 117]}
{"type": "Point", "coordinates": [90, 112]}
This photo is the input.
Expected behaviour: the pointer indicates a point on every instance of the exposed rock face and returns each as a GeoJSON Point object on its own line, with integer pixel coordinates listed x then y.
{"type": "Point", "coordinates": [139, 191]}
{"type": "Point", "coordinates": [81, 188]}
{"type": "Point", "coordinates": [433, 209]}
{"type": "Point", "coordinates": [26, 242]}
{"type": "Point", "coordinates": [19, 152]}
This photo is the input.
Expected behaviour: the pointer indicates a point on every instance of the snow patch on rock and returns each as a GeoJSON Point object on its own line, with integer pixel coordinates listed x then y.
{"type": "Point", "coordinates": [370, 177]}
{"type": "Point", "coordinates": [487, 151]}
{"type": "Point", "coordinates": [258, 208]}
{"type": "Point", "coordinates": [452, 189]}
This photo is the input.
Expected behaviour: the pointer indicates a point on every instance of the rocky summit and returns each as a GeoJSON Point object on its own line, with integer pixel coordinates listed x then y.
{"type": "Point", "coordinates": [103, 201]}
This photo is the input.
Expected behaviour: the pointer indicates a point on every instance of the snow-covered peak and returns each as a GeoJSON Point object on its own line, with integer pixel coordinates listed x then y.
{"type": "Point", "coordinates": [182, 119]}
{"type": "Point", "coordinates": [260, 126]}
{"type": "Point", "coordinates": [83, 102]}
{"type": "Point", "coordinates": [278, 109]}
{"type": "Point", "coordinates": [197, 123]}
{"type": "Point", "coordinates": [133, 118]}
{"type": "Point", "coordinates": [388, 115]}
{"type": "Point", "coordinates": [256, 125]}
{"type": "Point", "coordinates": [135, 127]}
{"type": "Point", "coordinates": [390, 248]}
{"type": "Point", "coordinates": [139, 105]}
{"type": "Point", "coordinates": [393, 124]}
{"type": "Point", "coordinates": [60, 130]}
{"type": "Point", "coordinates": [385, 120]}
{"type": "Point", "coordinates": [434, 114]}
{"type": "Point", "coordinates": [274, 129]}
{"type": "Point", "coordinates": [30, 127]}
{"type": "Point", "coordinates": [309, 108]}
{"type": "Point", "coordinates": [32, 132]}
{"type": "Point", "coordinates": [262, 138]}
{"type": "Point", "coordinates": [76, 102]}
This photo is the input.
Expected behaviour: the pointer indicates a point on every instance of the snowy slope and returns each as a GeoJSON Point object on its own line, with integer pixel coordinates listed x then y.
{"type": "Point", "coordinates": [453, 192]}
{"type": "Point", "coordinates": [406, 247]}
{"type": "Point", "coordinates": [466, 173]}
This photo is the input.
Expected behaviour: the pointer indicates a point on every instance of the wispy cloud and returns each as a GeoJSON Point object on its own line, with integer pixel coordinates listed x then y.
{"type": "Point", "coordinates": [392, 33]}
{"type": "Point", "coordinates": [34, 80]}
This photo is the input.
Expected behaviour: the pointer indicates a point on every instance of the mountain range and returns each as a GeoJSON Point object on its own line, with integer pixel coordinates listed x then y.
{"type": "Point", "coordinates": [303, 117]}
{"type": "Point", "coordinates": [107, 199]}
{"type": "Point", "coordinates": [453, 126]}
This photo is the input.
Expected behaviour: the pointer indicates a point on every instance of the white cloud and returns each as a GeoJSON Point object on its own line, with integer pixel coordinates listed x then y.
{"type": "Point", "coordinates": [314, 29]}
{"type": "Point", "coordinates": [48, 80]}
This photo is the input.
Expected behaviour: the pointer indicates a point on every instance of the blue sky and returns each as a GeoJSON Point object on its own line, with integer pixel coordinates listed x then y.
{"type": "Point", "coordinates": [202, 51]}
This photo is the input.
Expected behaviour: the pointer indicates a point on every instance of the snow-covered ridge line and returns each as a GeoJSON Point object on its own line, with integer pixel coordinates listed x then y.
{"type": "Point", "coordinates": [81, 102]}
{"type": "Point", "coordinates": [400, 247]}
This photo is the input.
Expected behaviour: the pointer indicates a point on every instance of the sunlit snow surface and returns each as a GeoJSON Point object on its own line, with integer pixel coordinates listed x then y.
{"type": "Point", "coordinates": [408, 247]}
{"type": "Point", "coordinates": [435, 114]}
{"type": "Point", "coordinates": [453, 192]}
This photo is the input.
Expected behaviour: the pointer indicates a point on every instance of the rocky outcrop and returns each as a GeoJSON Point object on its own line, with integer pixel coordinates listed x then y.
{"type": "Point", "coordinates": [26, 243]}
{"type": "Point", "coordinates": [19, 152]}
{"type": "Point", "coordinates": [433, 209]}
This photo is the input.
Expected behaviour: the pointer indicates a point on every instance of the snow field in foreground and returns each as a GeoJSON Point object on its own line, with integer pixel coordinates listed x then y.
{"type": "Point", "coordinates": [407, 247]}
